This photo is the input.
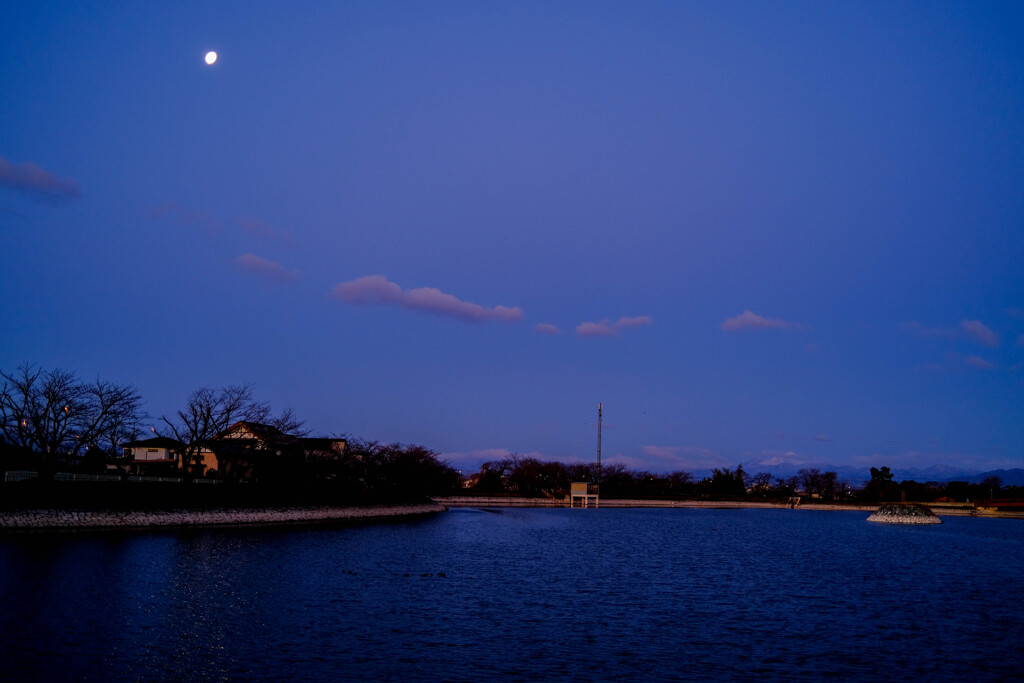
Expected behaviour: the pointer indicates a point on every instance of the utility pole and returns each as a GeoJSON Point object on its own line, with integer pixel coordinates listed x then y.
{"type": "Point", "coordinates": [599, 411]}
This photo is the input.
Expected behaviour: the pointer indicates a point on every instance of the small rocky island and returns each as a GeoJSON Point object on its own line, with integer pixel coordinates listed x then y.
{"type": "Point", "coordinates": [904, 513]}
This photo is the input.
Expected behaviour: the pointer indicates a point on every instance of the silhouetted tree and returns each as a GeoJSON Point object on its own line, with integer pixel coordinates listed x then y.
{"type": "Point", "coordinates": [761, 483]}
{"type": "Point", "coordinates": [726, 483]}
{"type": "Point", "coordinates": [401, 471]}
{"type": "Point", "coordinates": [810, 480]}
{"type": "Point", "coordinates": [881, 486]}
{"type": "Point", "coordinates": [52, 412]}
{"type": "Point", "coordinates": [208, 412]}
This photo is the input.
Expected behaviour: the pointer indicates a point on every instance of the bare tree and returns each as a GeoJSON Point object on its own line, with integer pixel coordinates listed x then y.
{"type": "Point", "coordinates": [208, 412]}
{"type": "Point", "coordinates": [288, 423]}
{"type": "Point", "coordinates": [811, 480]}
{"type": "Point", "coordinates": [828, 484]}
{"type": "Point", "coordinates": [761, 482]}
{"type": "Point", "coordinates": [52, 412]}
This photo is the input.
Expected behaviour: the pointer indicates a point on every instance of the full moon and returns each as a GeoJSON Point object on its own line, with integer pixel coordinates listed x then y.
{"type": "Point", "coordinates": [211, 57]}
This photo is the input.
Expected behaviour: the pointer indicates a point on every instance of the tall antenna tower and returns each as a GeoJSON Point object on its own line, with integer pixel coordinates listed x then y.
{"type": "Point", "coordinates": [600, 407]}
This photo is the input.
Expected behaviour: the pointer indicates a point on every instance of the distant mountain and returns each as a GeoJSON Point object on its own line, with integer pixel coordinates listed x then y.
{"type": "Point", "coordinates": [1011, 477]}
{"type": "Point", "coordinates": [933, 473]}
{"type": "Point", "coordinates": [782, 468]}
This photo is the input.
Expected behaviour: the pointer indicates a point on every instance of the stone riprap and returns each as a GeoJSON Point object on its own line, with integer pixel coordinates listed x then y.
{"type": "Point", "coordinates": [502, 501]}
{"type": "Point", "coordinates": [904, 513]}
{"type": "Point", "coordinates": [71, 520]}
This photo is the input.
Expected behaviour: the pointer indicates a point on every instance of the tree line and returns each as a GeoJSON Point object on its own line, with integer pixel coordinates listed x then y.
{"type": "Point", "coordinates": [526, 476]}
{"type": "Point", "coordinates": [51, 420]}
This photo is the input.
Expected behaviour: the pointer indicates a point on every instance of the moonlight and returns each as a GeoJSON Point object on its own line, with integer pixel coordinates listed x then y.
{"type": "Point", "coordinates": [211, 57]}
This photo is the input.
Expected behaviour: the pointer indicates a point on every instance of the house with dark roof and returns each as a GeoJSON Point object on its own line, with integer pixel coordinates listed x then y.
{"type": "Point", "coordinates": [250, 450]}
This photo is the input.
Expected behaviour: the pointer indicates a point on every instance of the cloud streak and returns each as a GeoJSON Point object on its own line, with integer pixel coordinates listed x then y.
{"type": "Point", "coordinates": [980, 332]}
{"type": "Point", "coordinates": [607, 328]}
{"type": "Point", "coordinates": [547, 328]}
{"type": "Point", "coordinates": [975, 329]}
{"type": "Point", "coordinates": [266, 269]}
{"type": "Point", "coordinates": [378, 290]}
{"type": "Point", "coordinates": [37, 182]}
{"type": "Point", "coordinates": [748, 320]}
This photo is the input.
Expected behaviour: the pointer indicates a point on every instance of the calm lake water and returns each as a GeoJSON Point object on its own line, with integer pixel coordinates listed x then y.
{"type": "Point", "coordinates": [523, 594]}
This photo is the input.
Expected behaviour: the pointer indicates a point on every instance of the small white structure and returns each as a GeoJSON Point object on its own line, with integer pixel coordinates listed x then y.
{"type": "Point", "coordinates": [158, 450]}
{"type": "Point", "coordinates": [584, 492]}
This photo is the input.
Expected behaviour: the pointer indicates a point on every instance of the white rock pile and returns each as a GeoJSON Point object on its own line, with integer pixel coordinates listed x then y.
{"type": "Point", "coordinates": [904, 513]}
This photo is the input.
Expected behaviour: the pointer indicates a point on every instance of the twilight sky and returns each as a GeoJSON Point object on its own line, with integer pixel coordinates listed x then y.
{"type": "Point", "coordinates": [754, 230]}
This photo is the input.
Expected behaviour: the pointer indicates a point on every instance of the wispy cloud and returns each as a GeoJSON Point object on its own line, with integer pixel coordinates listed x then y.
{"type": "Point", "coordinates": [1015, 313]}
{"type": "Point", "coordinates": [980, 332]}
{"type": "Point", "coordinates": [173, 212]}
{"type": "Point", "coordinates": [547, 328]}
{"type": "Point", "coordinates": [377, 289]}
{"type": "Point", "coordinates": [975, 329]}
{"type": "Point", "coordinates": [607, 328]}
{"type": "Point", "coordinates": [266, 269]}
{"type": "Point", "coordinates": [979, 362]}
{"type": "Point", "coordinates": [37, 182]}
{"type": "Point", "coordinates": [1020, 340]}
{"type": "Point", "coordinates": [748, 320]}
{"type": "Point", "coordinates": [262, 230]}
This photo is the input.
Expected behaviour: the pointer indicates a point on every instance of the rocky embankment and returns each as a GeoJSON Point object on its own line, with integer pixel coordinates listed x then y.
{"type": "Point", "coordinates": [85, 520]}
{"type": "Point", "coordinates": [503, 501]}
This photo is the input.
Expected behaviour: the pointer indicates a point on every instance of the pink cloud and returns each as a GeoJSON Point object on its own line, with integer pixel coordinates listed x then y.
{"type": "Point", "coordinates": [602, 329]}
{"type": "Point", "coordinates": [607, 328]}
{"type": "Point", "coordinates": [377, 289]}
{"type": "Point", "coordinates": [547, 328]}
{"type": "Point", "coordinates": [38, 182]}
{"type": "Point", "coordinates": [266, 269]}
{"type": "Point", "coordinates": [980, 332]}
{"type": "Point", "coordinates": [748, 320]}
{"type": "Point", "coordinates": [978, 362]}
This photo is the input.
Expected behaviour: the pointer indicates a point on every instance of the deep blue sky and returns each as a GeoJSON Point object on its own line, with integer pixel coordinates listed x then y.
{"type": "Point", "coordinates": [754, 230]}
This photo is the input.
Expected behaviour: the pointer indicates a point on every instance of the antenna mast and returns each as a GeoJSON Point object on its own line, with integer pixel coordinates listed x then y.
{"type": "Point", "coordinates": [599, 411]}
